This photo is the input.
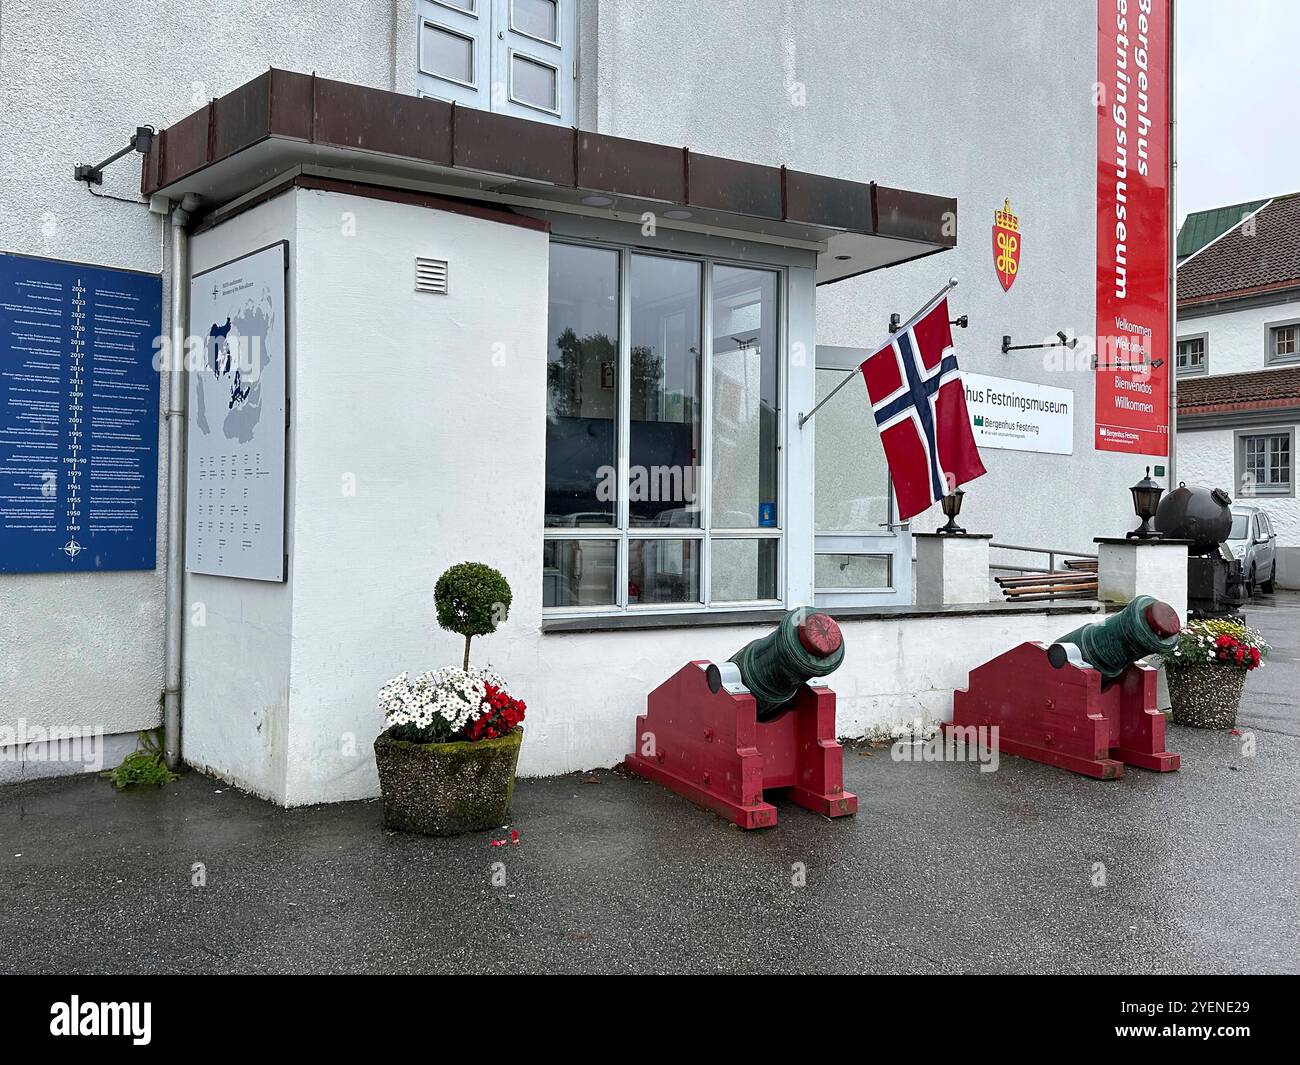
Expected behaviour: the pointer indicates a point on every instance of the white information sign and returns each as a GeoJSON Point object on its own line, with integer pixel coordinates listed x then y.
{"type": "Point", "coordinates": [234, 514]}
{"type": "Point", "coordinates": [1020, 415]}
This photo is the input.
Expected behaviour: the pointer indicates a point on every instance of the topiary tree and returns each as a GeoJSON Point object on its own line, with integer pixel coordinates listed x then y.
{"type": "Point", "coordinates": [472, 600]}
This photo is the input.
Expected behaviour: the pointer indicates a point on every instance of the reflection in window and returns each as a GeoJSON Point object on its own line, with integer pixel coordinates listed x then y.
{"type": "Point", "coordinates": [744, 398]}
{"type": "Point", "coordinates": [582, 387]}
{"type": "Point", "coordinates": [850, 572]}
{"type": "Point", "coordinates": [579, 572]}
{"type": "Point", "coordinates": [663, 571]}
{"type": "Point", "coordinates": [742, 570]}
{"type": "Point", "coordinates": [665, 385]}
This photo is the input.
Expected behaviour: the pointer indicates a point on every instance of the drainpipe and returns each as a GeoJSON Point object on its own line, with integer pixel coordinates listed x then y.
{"type": "Point", "coordinates": [1172, 353]}
{"type": "Point", "coordinates": [175, 604]}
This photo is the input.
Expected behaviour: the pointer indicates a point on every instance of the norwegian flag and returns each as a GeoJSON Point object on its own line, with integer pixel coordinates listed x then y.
{"type": "Point", "coordinates": [920, 408]}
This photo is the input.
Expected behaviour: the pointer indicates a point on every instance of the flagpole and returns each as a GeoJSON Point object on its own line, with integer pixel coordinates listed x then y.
{"type": "Point", "coordinates": [952, 284]}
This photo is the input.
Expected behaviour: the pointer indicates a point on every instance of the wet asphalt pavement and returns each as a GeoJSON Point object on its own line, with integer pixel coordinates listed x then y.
{"type": "Point", "coordinates": [944, 869]}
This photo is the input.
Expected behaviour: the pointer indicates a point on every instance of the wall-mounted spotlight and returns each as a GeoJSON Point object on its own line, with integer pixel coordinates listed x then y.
{"type": "Point", "coordinates": [1062, 341]}
{"type": "Point", "coordinates": [141, 142]}
{"type": "Point", "coordinates": [962, 322]}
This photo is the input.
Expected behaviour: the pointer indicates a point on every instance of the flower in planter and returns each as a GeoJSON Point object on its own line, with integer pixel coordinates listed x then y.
{"type": "Point", "coordinates": [1219, 642]}
{"type": "Point", "coordinates": [444, 705]}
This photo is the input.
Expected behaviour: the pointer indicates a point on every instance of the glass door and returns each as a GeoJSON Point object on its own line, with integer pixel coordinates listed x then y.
{"type": "Point", "coordinates": [862, 553]}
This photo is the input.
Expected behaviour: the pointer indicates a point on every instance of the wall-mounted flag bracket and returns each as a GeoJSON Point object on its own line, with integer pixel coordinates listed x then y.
{"type": "Point", "coordinates": [895, 327]}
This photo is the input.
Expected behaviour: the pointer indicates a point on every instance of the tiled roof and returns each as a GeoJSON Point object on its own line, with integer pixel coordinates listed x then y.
{"type": "Point", "coordinates": [1248, 259]}
{"type": "Point", "coordinates": [1201, 227]}
{"type": "Point", "coordinates": [1239, 391]}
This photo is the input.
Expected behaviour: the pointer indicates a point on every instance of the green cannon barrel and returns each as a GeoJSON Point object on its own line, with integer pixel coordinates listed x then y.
{"type": "Point", "coordinates": [1145, 627]}
{"type": "Point", "coordinates": [777, 665]}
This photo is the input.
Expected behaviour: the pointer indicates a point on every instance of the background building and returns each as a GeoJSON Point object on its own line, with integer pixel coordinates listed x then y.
{"type": "Point", "coordinates": [1238, 361]}
{"type": "Point", "coordinates": [910, 97]}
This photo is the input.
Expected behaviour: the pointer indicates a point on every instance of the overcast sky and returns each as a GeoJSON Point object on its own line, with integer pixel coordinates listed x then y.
{"type": "Point", "coordinates": [1238, 101]}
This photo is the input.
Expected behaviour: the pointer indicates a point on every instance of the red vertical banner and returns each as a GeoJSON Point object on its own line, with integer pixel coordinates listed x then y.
{"type": "Point", "coordinates": [1132, 94]}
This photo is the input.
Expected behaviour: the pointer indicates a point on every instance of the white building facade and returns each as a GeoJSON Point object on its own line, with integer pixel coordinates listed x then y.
{"type": "Point", "coordinates": [1238, 367]}
{"type": "Point", "coordinates": [488, 316]}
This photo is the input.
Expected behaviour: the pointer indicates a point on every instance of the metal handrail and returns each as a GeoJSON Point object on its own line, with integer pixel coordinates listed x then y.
{"type": "Point", "coordinates": [1050, 552]}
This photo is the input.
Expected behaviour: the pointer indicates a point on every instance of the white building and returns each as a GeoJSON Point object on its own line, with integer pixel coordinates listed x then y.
{"type": "Point", "coordinates": [1238, 361]}
{"type": "Point", "coordinates": [751, 191]}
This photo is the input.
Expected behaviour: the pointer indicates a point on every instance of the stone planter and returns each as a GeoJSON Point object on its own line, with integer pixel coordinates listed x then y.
{"type": "Point", "coordinates": [443, 789]}
{"type": "Point", "coordinates": [1205, 696]}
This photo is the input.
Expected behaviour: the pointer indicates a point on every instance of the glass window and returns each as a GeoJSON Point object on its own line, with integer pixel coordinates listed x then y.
{"type": "Point", "coordinates": [626, 427]}
{"type": "Point", "coordinates": [582, 387]}
{"type": "Point", "coordinates": [1284, 341]}
{"type": "Point", "coordinates": [1265, 463]}
{"type": "Point", "coordinates": [1190, 357]}
{"type": "Point", "coordinates": [663, 571]}
{"type": "Point", "coordinates": [832, 571]}
{"type": "Point", "coordinates": [665, 385]}
{"type": "Point", "coordinates": [533, 83]}
{"type": "Point", "coordinates": [448, 55]}
{"type": "Point", "coordinates": [1239, 523]}
{"type": "Point", "coordinates": [459, 5]}
{"type": "Point", "coordinates": [743, 570]}
{"type": "Point", "coordinates": [744, 398]}
{"type": "Point", "coordinates": [537, 18]}
{"type": "Point", "coordinates": [579, 573]}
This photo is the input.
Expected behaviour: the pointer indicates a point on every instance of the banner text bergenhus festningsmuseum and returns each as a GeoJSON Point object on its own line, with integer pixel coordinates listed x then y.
{"type": "Point", "coordinates": [1133, 226]}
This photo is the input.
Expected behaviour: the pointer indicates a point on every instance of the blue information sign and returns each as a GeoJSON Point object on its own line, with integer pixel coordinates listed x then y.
{"type": "Point", "coordinates": [78, 417]}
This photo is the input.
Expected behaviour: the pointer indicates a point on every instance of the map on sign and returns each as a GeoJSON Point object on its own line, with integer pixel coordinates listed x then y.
{"type": "Point", "coordinates": [78, 417]}
{"type": "Point", "coordinates": [236, 418]}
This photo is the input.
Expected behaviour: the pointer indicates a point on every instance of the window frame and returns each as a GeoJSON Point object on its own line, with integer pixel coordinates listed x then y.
{"type": "Point", "coordinates": [1270, 491]}
{"type": "Point", "coordinates": [705, 533]}
{"type": "Point", "coordinates": [1271, 358]}
{"type": "Point", "coordinates": [1204, 367]}
{"type": "Point", "coordinates": [511, 54]}
{"type": "Point", "coordinates": [473, 53]}
{"type": "Point", "coordinates": [559, 24]}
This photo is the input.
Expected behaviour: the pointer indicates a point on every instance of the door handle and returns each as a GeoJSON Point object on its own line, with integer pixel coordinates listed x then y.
{"type": "Point", "coordinates": [896, 524]}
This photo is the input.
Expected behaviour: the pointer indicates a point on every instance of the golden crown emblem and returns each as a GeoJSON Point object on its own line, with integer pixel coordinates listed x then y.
{"type": "Point", "coordinates": [1006, 219]}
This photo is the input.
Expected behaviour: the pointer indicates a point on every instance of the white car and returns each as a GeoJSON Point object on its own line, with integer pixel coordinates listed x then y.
{"type": "Point", "coordinates": [1253, 541]}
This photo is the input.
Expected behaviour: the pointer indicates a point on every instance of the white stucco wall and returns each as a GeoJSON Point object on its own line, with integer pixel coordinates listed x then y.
{"type": "Point", "coordinates": [914, 96]}
{"type": "Point", "coordinates": [1237, 340]}
{"type": "Point", "coordinates": [1206, 457]}
{"type": "Point", "coordinates": [429, 407]}
{"type": "Point", "coordinates": [76, 78]}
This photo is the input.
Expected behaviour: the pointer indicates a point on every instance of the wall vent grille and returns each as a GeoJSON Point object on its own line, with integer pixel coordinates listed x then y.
{"type": "Point", "coordinates": [431, 276]}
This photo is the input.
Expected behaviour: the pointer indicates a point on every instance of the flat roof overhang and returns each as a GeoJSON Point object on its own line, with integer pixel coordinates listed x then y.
{"type": "Point", "coordinates": [283, 123]}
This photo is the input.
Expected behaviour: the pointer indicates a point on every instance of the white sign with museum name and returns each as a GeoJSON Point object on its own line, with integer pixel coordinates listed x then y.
{"type": "Point", "coordinates": [1020, 415]}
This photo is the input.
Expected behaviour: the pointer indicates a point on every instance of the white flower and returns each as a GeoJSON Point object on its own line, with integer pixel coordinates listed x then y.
{"type": "Point", "coordinates": [455, 695]}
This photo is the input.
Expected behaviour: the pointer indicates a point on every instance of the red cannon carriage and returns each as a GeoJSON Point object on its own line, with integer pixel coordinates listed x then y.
{"type": "Point", "coordinates": [1084, 703]}
{"type": "Point", "coordinates": [723, 734]}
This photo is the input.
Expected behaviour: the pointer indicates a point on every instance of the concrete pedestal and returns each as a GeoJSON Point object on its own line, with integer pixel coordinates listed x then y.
{"type": "Point", "coordinates": [1129, 568]}
{"type": "Point", "coordinates": [952, 569]}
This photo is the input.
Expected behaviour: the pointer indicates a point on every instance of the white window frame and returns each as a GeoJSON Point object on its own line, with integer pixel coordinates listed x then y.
{"type": "Point", "coordinates": [705, 533]}
{"type": "Point", "coordinates": [559, 24]}
{"type": "Point", "coordinates": [473, 54]}
{"type": "Point", "coordinates": [1190, 370]}
{"type": "Point", "coordinates": [1271, 357]}
{"type": "Point", "coordinates": [1266, 489]}
{"type": "Point", "coordinates": [511, 53]}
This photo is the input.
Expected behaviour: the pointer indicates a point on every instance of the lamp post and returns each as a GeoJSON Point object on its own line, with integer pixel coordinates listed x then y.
{"type": "Point", "coordinates": [951, 508]}
{"type": "Point", "coordinates": [1146, 498]}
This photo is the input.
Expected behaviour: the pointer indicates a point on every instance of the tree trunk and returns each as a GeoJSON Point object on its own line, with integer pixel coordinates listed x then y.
{"type": "Point", "coordinates": [467, 639]}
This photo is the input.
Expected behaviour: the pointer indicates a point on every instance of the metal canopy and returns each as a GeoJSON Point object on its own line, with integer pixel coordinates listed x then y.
{"type": "Point", "coordinates": [283, 123]}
